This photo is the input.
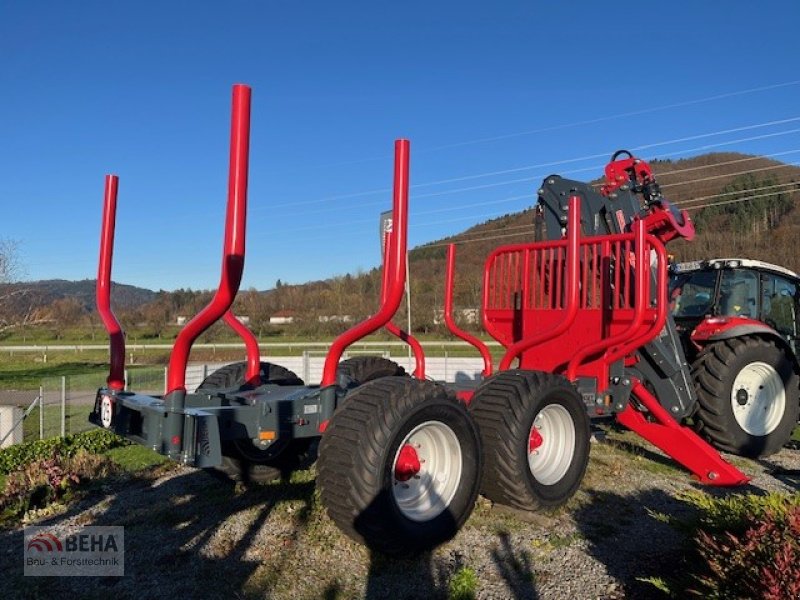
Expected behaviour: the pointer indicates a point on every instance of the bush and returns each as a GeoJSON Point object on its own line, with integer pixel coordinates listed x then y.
{"type": "Point", "coordinates": [750, 546]}
{"type": "Point", "coordinates": [50, 480]}
{"type": "Point", "coordinates": [95, 441]}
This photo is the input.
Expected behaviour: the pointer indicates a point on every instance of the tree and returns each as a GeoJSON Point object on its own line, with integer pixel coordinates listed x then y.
{"type": "Point", "coordinates": [16, 309]}
{"type": "Point", "coordinates": [10, 262]}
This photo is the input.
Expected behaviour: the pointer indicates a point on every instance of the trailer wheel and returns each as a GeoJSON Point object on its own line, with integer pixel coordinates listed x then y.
{"type": "Point", "coordinates": [361, 369]}
{"type": "Point", "coordinates": [535, 434]}
{"type": "Point", "coordinates": [399, 465]}
{"type": "Point", "coordinates": [748, 396]}
{"type": "Point", "coordinates": [241, 460]}
{"type": "Point", "coordinates": [233, 376]}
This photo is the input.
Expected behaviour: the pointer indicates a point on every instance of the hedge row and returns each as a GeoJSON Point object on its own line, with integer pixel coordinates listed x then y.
{"type": "Point", "coordinates": [95, 441]}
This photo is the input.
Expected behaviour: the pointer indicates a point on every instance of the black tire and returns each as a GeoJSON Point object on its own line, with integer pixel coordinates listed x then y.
{"type": "Point", "coordinates": [232, 376]}
{"type": "Point", "coordinates": [356, 468]}
{"type": "Point", "coordinates": [358, 370]}
{"type": "Point", "coordinates": [504, 408]}
{"type": "Point", "coordinates": [714, 373]}
{"type": "Point", "coordinates": [241, 460]}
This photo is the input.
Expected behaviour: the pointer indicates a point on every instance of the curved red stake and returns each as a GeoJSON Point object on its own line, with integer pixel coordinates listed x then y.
{"type": "Point", "coordinates": [572, 291]}
{"type": "Point", "coordinates": [416, 347]}
{"type": "Point", "coordinates": [233, 247]}
{"type": "Point", "coordinates": [116, 374]}
{"type": "Point", "coordinates": [253, 374]}
{"type": "Point", "coordinates": [449, 286]}
{"type": "Point", "coordinates": [394, 270]}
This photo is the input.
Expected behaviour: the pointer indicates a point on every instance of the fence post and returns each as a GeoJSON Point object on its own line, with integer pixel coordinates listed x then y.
{"type": "Point", "coordinates": [63, 405]}
{"type": "Point", "coordinates": [41, 412]}
{"type": "Point", "coordinates": [306, 366]}
{"type": "Point", "coordinates": [127, 381]}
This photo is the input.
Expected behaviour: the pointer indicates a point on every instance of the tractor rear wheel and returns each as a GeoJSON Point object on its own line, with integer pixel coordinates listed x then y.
{"type": "Point", "coordinates": [748, 396]}
{"type": "Point", "coordinates": [535, 434]}
{"type": "Point", "coordinates": [399, 465]}
{"type": "Point", "coordinates": [358, 370]}
{"type": "Point", "coordinates": [241, 460]}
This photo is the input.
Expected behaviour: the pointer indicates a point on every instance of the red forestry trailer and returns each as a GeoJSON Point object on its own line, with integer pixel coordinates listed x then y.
{"type": "Point", "coordinates": [402, 459]}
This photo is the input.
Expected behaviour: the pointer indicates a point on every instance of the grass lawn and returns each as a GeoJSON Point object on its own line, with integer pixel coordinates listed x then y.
{"type": "Point", "coordinates": [135, 458]}
{"type": "Point", "coordinates": [76, 421]}
{"type": "Point", "coordinates": [796, 434]}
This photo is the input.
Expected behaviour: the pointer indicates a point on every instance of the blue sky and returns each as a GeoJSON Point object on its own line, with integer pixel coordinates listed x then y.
{"type": "Point", "coordinates": [143, 90]}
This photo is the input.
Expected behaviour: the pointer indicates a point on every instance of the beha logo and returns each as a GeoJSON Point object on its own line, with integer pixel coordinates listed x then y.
{"type": "Point", "coordinates": [45, 542]}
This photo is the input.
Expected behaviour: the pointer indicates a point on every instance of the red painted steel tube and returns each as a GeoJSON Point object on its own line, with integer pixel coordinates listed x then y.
{"type": "Point", "coordinates": [233, 246]}
{"type": "Point", "coordinates": [116, 373]}
{"type": "Point", "coordinates": [572, 292]}
{"type": "Point", "coordinates": [394, 279]}
{"type": "Point", "coordinates": [253, 373]}
{"type": "Point", "coordinates": [449, 287]}
{"type": "Point", "coordinates": [642, 277]}
{"type": "Point", "coordinates": [416, 347]}
{"type": "Point", "coordinates": [662, 281]}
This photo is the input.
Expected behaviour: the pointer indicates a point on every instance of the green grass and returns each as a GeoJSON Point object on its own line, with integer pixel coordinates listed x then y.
{"type": "Point", "coordinates": [135, 458]}
{"type": "Point", "coordinates": [463, 584]}
{"type": "Point", "coordinates": [796, 434]}
{"type": "Point", "coordinates": [76, 420]}
{"type": "Point", "coordinates": [23, 372]}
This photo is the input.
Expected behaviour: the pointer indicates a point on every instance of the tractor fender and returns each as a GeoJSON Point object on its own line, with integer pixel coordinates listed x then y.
{"type": "Point", "coordinates": [714, 329]}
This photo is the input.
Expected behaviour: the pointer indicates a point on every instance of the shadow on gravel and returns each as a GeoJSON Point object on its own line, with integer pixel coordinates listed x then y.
{"type": "Point", "coordinates": [789, 477]}
{"type": "Point", "coordinates": [635, 537]}
{"type": "Point", "coordinates": [167, 528]}
{"type": "Point", "coordinates": [515, 569]}
{"type": "Point", "coordinates": [418, 577]}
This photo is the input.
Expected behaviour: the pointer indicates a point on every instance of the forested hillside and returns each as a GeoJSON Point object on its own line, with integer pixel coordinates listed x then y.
{"type": "Point", "coordinates": [741, 205]}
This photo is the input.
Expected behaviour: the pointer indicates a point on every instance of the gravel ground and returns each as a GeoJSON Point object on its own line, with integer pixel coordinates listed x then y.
{"type": "Point", "coordinates": [190, 534]}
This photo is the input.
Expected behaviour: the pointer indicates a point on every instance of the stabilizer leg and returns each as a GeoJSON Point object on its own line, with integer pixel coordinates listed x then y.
{"type": "Point", "coordinates": [680, 443]}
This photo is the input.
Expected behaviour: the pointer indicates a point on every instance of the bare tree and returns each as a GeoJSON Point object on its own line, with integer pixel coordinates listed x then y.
{"type": "Point", "coordinates": [16, 309]}
{"type": "Point", "coordinates": [10, 263]}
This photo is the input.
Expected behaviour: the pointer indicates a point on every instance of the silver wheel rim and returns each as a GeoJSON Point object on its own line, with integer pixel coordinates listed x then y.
{"type": "Point", "coordinates": [551, 444]}
{"type": "Point", "coordinates": [428, 492]}
{"type": "Point", "coordinates": [106, 411]}
{"type": "Point", "coordinates": [758, 399]}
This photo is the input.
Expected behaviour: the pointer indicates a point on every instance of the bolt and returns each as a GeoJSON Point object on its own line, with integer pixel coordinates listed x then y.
{"type": "Point", "coordinates": [539, 427]}
{"type": "Point", "coordinates": [540, 191]}
{"type": "Point", "coordinates": [712, 475]}
{"type": "Point", "coordinates": [599, 401]}
{"type": "Point", "coordinates": [626, 382]}
{"type": "Point", "coordinates": [615, 380]}
{"type": "Point", "coordinates": [674, 409]}
{"type": "Point", "coordinates": [536, 453]}
{"type": "Point", "coordinates": [551, 181]}
{"type": "Point", "coordinates": [618, 406]}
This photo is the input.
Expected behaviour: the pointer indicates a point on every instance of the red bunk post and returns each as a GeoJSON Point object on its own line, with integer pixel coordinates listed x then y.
{"type": "Point", "coordinates": [233, 247]}
{"type": "Point", "coordinates": [394, 270]}
{"type": "Point", "coordinates": [449, 287]}
{"type": "Point", "coordinates": [116, 375]}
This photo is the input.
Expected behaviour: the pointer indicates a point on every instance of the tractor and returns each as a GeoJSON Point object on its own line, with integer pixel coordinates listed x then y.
{"type": "Point", "coordinates": [401, 459]}
{"type": "Point", "coordinates": [738, 324]}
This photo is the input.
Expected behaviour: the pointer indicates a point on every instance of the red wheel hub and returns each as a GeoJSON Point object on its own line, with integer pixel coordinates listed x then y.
{"type": "Point", "coordinates": [535, 440]}
{"type": "Point", "coordinates": [407, 464]}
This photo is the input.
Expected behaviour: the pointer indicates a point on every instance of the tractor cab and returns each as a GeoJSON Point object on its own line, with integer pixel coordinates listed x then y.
{"type": "Point", "coordinates": [734, 287]}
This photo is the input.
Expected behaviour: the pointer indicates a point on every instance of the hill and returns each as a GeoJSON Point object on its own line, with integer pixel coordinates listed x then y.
{"type": "Point", "coordinates": [742, 205]}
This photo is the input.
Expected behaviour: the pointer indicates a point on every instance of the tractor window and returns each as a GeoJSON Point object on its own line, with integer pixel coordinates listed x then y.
{"type": "Point", "coordinates": [738, 294]}
{"type": "Point", "coordinates": [692, 294]}
{"type": "Point", "coordinates": [778, 302]}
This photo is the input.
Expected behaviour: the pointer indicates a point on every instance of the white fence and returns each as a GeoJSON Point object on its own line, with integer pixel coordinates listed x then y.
{"type": "Point", "coordinates": [309, 368]}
